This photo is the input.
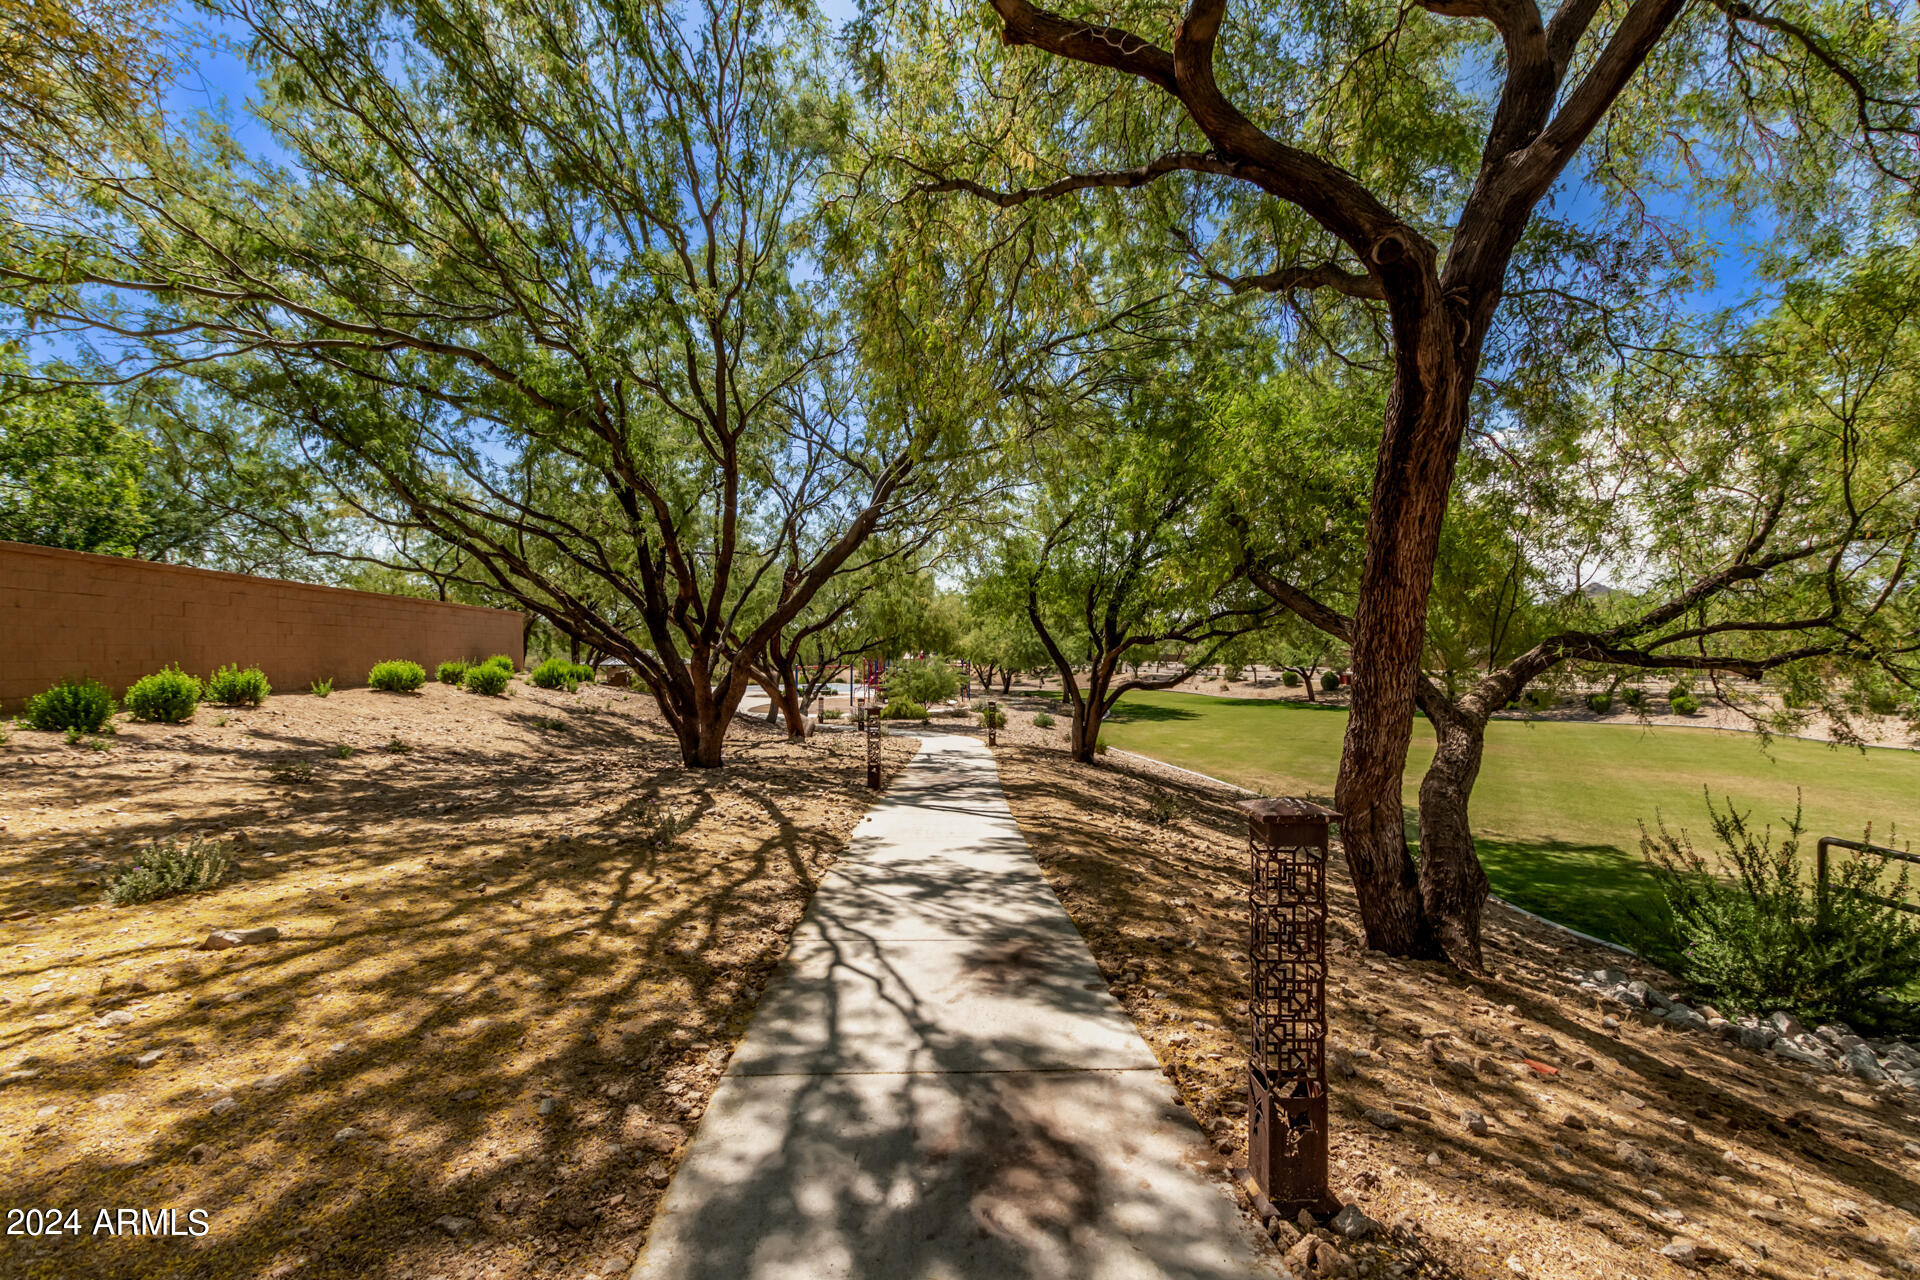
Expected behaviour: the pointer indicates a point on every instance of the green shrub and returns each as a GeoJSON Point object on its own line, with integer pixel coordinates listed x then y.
{"type": "Point", "coordinates": [1291, 679]}
{"type": "Point", "coordinates": [1041, 720]}
{"type": "Point", "coordinates": [993, 717]}
{"type": "Point", "coordinates": [1330, 681]}
{"type": "Point", "coordinates": [321, 688]}
{"type": "Point", "coordinates": [1635, 698]}
{"type": "Point", "coordinates": [1539, 699]}
{"type": "Point", "coordinates": [396, 675]}
{"type": "Point", "coordinates": [1749, 927]}
{"type": "Point", "coordinates": [902, 709]}
{"type": "Point", "coordinates": [1599, 703]}
{"type": "Point", "coordinates": [1681, 690]}
{"type": "Point", "coordinates": [80, 706]}
{"type": "Point", "coordinates": [169, 695]}
{"type": "Point", "coordinates": [502, 661]}
{"type": "Point", "coordinates": [164, 869]}
{"type": "Point", "coordinates": [236, 686]}
{"type": "Point", "coordinates": [830, 713]}
{"type": "Point", "coordinates": [451, 672]}
{"type": "Point", "coordinates": [342, 752]}
{"type": "Point", "coordinates": [1100, 746]}
{"type": "Point", "coordinates": [557, 673]}
{"type": "Point", "coordinates": [921, 680]}
{"type": "Point", "coordinates": [487, 679]}
{"type": "Point", "coordinates": [1685, 705]}
{"type": "Point", "coordinates": [1882, 703]}
{"type": "Point", "coordinates": [1164, 809]}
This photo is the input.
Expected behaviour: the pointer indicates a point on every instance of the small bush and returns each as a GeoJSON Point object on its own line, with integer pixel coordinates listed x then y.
{"type": "Point", "coordinates": [1291, 679]}
{"type": "Point", "coordinates": [1634, 698]}
{"type": "Point", "coordinates": [237, 686]}
{"type": "Point", "coordinates": [342, 752]}
{"type": "Point", "coordinates": [165, 869]}
{"type": "Point", "coordinates": [502, 661]}
{"type": "Point", "coordinates": [291, 771]}
{"type": "Point", "coordinates": [1686, 705]}
{"type": "Point", "coordinates": [78, 706]}
{"type": "Point", "coordinates": [396, 747]}
{"type": "Point", "coordinates": [1882, 703]}
{"type": "Point", "coordinates": [1539, 699]}
{"type": "Point", "coordinates": [451, 672]}
{"type": "Point", "coordinates": [902, 709]}
{"type": "Point", "coordinates": [396, 675]}
{"type": "Point", "coordinates": [556, 673]}
{"type": "Point", "coordinates": [1100, 746]}
{"type": "Point", "coordinates": [1164, 809]}
{"type": "Point", "coordinates": [487, 679]}
{"type": "Point", "coordinates": [993, 717]}
{"type": "Point", "coordinates": [582, 672]}
{"type": "Point", "coordinates": [321, 688]}
{"type": "Point", "coordinates": [1041, 720]}
{"type": "Point", "coordinates": [169, 696]}
{"type": "Point", "coordinates": [830, 713]}
{"type": "Point", "coordinates": [1682, 690]}
{"type": "Point", "coordinates": [921, 680]}
{"type": "Point", "coordinates": [1749, 927]}
{"type": "Point", "coordinates": [1330, 681]}
{"type": "Point", "coordinates": [1599, 703]}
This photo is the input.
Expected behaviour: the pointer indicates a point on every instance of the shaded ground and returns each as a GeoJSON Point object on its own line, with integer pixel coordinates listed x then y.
{"type": "Point", "coordinates": [1787, 1175]}
{"type": "Point", "coordinates": [518, 943]}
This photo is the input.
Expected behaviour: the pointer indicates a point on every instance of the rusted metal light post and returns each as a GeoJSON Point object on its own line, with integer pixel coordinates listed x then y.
{"type": "Point", "coordinates": [873, 745]}
{"type": "Point", "coordinates": [1287, 1077]}
{"type": "Point", "coordinates": [993, 715]}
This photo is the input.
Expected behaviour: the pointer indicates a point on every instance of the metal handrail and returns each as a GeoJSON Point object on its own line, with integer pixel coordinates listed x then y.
{"type": "Point", "coordinates": [1860, 846]}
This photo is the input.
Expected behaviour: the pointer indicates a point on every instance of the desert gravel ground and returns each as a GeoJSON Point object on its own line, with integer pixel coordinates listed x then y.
{"type": "Point", "coordinates": [517, 944]}
{"type": "Point", "coordinates": [1602, 1145]}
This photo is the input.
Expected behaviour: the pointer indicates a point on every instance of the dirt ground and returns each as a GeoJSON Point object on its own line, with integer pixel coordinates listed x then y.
{"type": "Point", "coordinates": [517, 946]}
{"type": "Point", "coordinates": [1602, 1144]}
{"type": "Point", "coordinates": [1879, 731]}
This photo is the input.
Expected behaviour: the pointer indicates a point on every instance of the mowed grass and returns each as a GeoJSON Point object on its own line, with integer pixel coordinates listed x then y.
{"type": "Point", "coordinates": [1558, 807]}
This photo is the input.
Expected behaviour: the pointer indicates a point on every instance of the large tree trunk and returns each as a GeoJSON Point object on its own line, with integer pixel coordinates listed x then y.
{"type": "Point", "coordinates": [1453, 885]}
{"type": "Point", "coordinates": [1426, 416]}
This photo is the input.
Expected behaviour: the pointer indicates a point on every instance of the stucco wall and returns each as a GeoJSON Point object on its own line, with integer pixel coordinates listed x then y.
{"type": "Point", "coordinates": [66, 613]}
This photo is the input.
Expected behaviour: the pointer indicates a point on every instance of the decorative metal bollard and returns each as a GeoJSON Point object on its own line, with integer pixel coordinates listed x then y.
{"type": "Point", "coordinates": [1287, 1077]}
{"type": "Point", "coordinates": [873, 745]}
{"type": "Point", "coordinates": [993, 714]}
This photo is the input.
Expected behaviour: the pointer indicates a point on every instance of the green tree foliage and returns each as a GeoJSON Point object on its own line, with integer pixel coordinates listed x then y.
{"type": "Point", "coordinates": [72, 474]}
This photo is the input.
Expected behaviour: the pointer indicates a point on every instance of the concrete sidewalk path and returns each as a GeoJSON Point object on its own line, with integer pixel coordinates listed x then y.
{"type": "Point", "coordinates": [939, 1086]}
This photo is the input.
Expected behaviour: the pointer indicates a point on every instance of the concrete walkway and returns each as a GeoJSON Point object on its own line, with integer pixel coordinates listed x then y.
{"type": "Point", "coordinates": [938, 1085]}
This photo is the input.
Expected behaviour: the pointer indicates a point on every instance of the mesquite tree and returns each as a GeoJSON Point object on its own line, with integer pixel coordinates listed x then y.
{"type": "Point", "coordinates": [1764, 503]}
{"type": "Point", "coordinates": [573, 289]}
{"type": "Point", "coordinates": [1400, 158]}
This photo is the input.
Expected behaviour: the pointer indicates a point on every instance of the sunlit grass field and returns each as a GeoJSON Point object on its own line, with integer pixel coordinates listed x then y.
{"type": "Point", "coordinates": [1558, 807]}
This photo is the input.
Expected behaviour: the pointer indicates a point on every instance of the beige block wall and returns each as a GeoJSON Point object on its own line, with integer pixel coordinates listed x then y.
{"type": "Point", "coordinates": [67, 613]}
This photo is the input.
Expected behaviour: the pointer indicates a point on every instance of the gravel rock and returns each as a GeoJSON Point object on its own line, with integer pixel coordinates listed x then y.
{"type": "Point", "coordinates": [225, 1106]}
{"type": "Point", "coordinates": [455, 1227]}
{"type": "Point", "coordinates": [227, 939]}
{"type": "Point", "coordinates": [1351, 1224]}
{"type": "Point", "coordinates": [1681, 1250]}
{"type": "Point", "coordinates": [118, 1018]}
{"type": "Point", "coordinates": [1635, 1158]}
{"type": "Point", "coordinates": [1380, 1119]}
{"type": "Point", "coordinates": [1315, 1259]}
{"type": "Point", "coordinates": [1475, 1122]}
{"type": "Point", "coordinates": [1860, 1062]}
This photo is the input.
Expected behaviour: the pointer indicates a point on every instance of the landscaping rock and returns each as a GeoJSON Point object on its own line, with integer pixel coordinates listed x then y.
{"type": "Point", "coordinates": [118, 1018]}
{"type": "Point", "coordinates": [1352, 1224]}
{"type": "Point", "coordinates": [1860, 1062]}
{"type": "Point", "coordinates": [225, 1106]}
{"type": "Point", "coordinates": [455, 1227]}
{"type": "Point", "coordinates": [1475, 1122]}
{"type": "Point", "coordinates": [1635, 1158]}
{"type": "Point", "coordinates": [1681, 1250]}
{"type": "Point", "coordinates": [149, 1058]}
{"type": "Point", "coordinates": [226, 939]}
{"type": "Point", "coordinates": [1315, 1259]}
{"type": "Point", "coordinates": [1382, 1119]}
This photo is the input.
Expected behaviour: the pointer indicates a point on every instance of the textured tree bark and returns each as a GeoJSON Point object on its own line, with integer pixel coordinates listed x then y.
{"type": "Point", "coordinates": [1453, 885]}
{"type": "Point", "coordinates": [1426, 417]}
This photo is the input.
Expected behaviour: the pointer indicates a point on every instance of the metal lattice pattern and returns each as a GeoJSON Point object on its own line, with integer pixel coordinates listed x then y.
{"type": "Point", "coordinates": [873, 746]}
{"type": "Point", "coordinates": [1290, 961]}
{"type": "Point", "coordinates": [1287, 1077]}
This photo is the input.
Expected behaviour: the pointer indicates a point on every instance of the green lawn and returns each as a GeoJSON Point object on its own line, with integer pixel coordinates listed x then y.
{"type": "Point", "coordinates": [1558, 805]}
